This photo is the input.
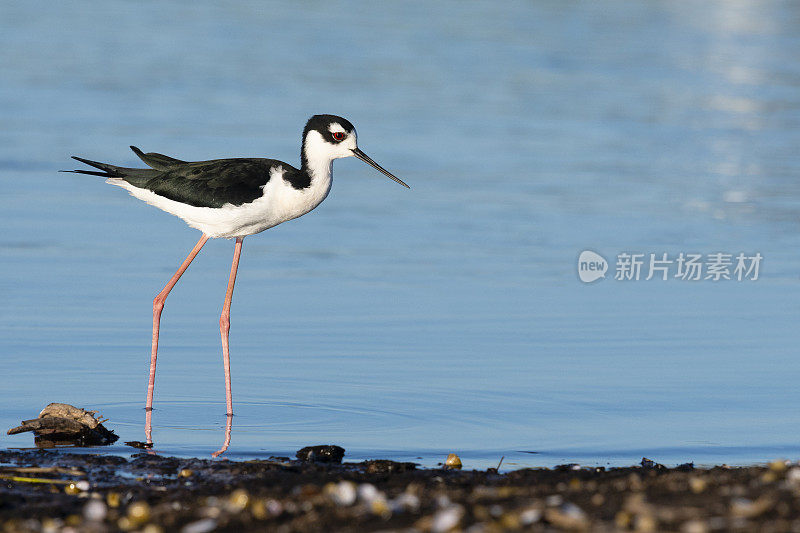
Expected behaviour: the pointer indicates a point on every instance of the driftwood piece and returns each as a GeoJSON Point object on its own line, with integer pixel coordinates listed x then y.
{"type": "Point", "coordinates": [61, 423]}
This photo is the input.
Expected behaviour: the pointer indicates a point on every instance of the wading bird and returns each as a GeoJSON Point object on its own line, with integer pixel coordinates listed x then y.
{"type": "Point", "coordinates": [234, 198]}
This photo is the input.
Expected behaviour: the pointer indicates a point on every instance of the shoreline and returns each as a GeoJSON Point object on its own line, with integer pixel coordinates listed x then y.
{"type": "Point", "coordinates": [55, 491]}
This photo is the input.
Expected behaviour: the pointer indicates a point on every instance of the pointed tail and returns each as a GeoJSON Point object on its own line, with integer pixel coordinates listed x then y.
{"type": "Point", "coordinates": [109, 171]}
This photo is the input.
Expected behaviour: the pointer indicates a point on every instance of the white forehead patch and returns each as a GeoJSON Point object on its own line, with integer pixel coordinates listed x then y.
{"type": "Point", "coordinates": [335, 127]}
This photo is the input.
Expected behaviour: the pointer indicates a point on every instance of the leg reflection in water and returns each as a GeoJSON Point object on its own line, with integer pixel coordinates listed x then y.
{"type": "Point", "coordinates": [228, 426]}
{"type": "Point", "coordinates": [148, 417]}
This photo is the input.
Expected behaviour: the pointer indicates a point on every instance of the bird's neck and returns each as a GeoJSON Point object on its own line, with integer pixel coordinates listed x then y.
{"type": "Point", "coordinates": [319, 168]}
{"type": "Point", "coordinates": [316, 162]}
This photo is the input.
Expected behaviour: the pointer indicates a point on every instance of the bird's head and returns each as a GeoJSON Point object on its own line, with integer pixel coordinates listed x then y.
{"type": "Point", "coordinates": [328, 137]}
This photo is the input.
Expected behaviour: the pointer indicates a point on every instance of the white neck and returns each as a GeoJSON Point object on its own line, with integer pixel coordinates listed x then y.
{"type": "Point", "coordinates": [317, 158]}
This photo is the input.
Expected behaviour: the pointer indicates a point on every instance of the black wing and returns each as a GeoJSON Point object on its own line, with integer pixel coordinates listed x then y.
{"type": "Point", "coordinates": [202, 183]}
{"type": "Point", "coordinates": [211, 183]}
{"type": "Point", "coordinates": [156, 161]}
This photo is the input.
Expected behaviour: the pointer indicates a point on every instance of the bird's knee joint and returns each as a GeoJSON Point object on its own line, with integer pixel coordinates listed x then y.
{"type": "Point", "coordinates": [158, 304]}
{"type": "Point", "coordinates": [225, 322]}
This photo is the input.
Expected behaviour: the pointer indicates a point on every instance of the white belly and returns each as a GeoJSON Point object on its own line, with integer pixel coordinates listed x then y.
{"type": "Point", "coordinates": [279, 203]}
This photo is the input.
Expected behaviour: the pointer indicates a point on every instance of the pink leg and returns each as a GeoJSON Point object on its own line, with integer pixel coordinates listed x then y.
{"type": "Point", "coordinates": [225, 324]}
{"type": "Point", "coordinates": [148, 430]}
{"type": "Point", "coordinates": [148, 425]}
{"type": "Point", "coordinates": [158, 306]}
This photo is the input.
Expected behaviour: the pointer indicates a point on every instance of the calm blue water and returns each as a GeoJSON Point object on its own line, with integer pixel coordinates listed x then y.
{"type": "Point", "coordinates": [409, 324]}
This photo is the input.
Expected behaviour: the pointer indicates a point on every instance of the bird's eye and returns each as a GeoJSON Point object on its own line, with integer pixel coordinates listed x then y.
{"type": "Point", "coordinates": [338, 135]}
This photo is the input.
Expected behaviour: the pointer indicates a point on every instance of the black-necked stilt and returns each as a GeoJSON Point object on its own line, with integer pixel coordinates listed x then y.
{"type": "Point", "coordinates": [234, 198]}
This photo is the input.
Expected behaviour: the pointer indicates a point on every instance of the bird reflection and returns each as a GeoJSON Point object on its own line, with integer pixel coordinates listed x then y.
{"type": "Point", "coordinates": [148, 432]}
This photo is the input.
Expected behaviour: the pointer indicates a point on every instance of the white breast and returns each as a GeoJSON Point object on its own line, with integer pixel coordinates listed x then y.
{"type": "Point", "coordinates": [279, 203]}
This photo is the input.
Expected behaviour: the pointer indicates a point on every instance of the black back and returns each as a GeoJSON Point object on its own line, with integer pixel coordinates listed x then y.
{"type": "Point", "coordinates": [216, 182]}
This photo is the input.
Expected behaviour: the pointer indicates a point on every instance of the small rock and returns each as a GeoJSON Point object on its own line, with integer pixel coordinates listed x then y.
{"type": "Point", "coordinates": [51, 525]}
{"type": "Point", "coordinates": [623, 519]}
{"type": "Point", "coordinates": [770, 476]}
{"type": "Point", "coordinates": [343, 493]}
{"type": "Point", "coordinates": [206, 525]}
{"type": "Point", "coordinates": [381, 508]}
{"type": "Point", "coordinates": [139, 444]}
{"type": "Point", "coordinates": [510, 522]}
{"type": "Point", "coordinates": [138, 513]}
{"type": "Point", "coordinates": [442, 501]}
{"type": "Point", "coordinates": [778, 466]}
{"type": "Point", "coordinates": [384, 466]}
{"type": "Point", "coordinates": [321, 454]}
{"type": "Point", "coordinates": [750, 509]}
{"type": "Point", "coordinates": [95, 511]}
{"type": "Point", "coordinates": [697, 484]}
{"type": "Point", "coordinates": [567, 516]}
{"type": "Point", "coordinates": [530, 516]}
{"type": "Point", "coordinates": [649, 464]}
{"type": "Point", "coordinates": [274, 507]}
{"type": "Point", "coordinates": [554, 500]}
{"type": "Point", "coordinates": [447, 518]}
{"type": "Point", "coordinates": [645, 523]}
{"type": "Point", "coordinates": [695, 526]}
{"type": "Point", "coordinates": [793, 475]}
{"type": "Point", "coordinates": [367, 492]}
{"type": "Point", "coordinates": [453, 461]}
{"type": "Point", "coordinates": [113, 499]}
{"type": "Point", "coordinates": [259, 510]}
{"type": "Point", "coordinates": [238, 501]}
{"type": "Point", "coordinates": [406, 502]}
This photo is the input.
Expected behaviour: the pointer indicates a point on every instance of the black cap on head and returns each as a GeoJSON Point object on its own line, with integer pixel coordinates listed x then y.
{"type": "Point", "coordinates": [320, 123]}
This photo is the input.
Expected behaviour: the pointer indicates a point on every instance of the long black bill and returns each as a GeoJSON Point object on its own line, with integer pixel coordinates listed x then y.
{"type": "Point", "coordinates": [366, 159]}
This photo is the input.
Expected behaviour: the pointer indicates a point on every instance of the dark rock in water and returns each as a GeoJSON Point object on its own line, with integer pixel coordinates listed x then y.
{"type": "Point", "coordinates": [567, 467]}
{"type": "Point", "coordinates": [649, 464]}
{"type": "Point", "coordinates": [139, 444]}
{"type": "Point", "coordinates": [329, 453]}
{"type": "Point", "coordinates": [383, 466]}
{"type": "Point", "coordinates": [64, 424]}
